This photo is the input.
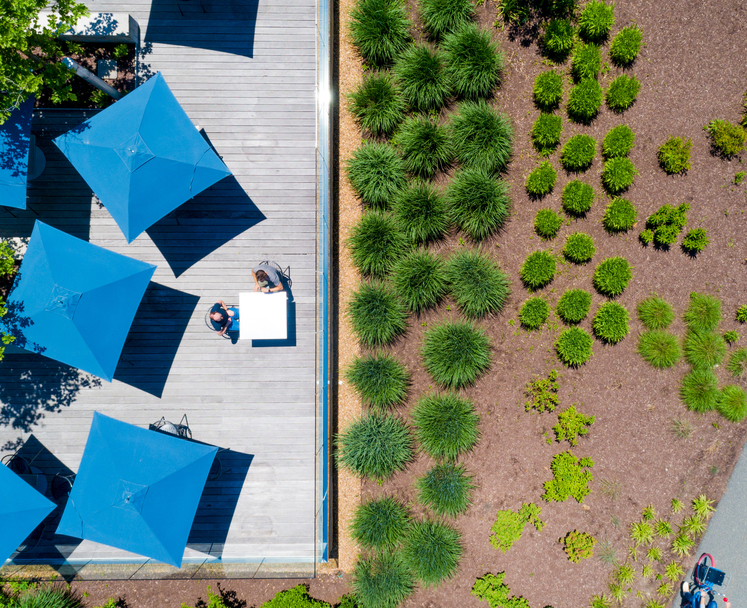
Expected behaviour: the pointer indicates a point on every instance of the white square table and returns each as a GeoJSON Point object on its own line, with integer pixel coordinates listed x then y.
{"type": "Point", "coordinates": [263, 316]}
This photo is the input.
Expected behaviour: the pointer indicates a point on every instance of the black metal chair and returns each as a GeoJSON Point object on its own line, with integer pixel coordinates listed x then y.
{"type": "Point", "coordinates": [180, 430]}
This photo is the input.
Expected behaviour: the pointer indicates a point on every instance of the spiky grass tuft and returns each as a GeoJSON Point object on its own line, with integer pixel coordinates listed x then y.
{"type": "Point", "coordinates": [446, 489]}
{"type": "Point", "coordinates": [574, 305]}
{"type": "Point", "coordinates": [377, 104]}
{"type": "Point", "coordinates": [478, 203]}
{"type": "Point", "coordinates": [376, 243]}
{"type": "Point", "coordinates": [376, 173]}
{"type": "Point", "coordinates": [456, 354]}
{"type": "Point", "coordinates": [732, 403]}
{"type": "Point", "coordinates": [380, 380]}
{"type": "Point", "coordinates": [425, 146]}
{"type": "Point", "coordinates": [478, 285]}
{"type": "Point", "coordinates": [446, 425]}
{"type": "Point", "coordinates": [703, 312]}
{"type": "Point", "coordinates": [421, 74]}
{"type": "Point", "coordinates": [432, 551]}
{"type": "Point", "coordinates": [577, 198]}
{"type": "Point", "coordinates": [380, 524]}
{"type": "Point", "coordinates": [659, 348]}
{"type": "Point", "coordinates": [481, 136]}
{"type": "Point", "coordinates": [380, 30]}
{"type": "Point", "coordinates": [538, 269]}
{"type": "Point", "coordinates": [383, 581]}
{"type": "Point", "coordinates": [420, 280]}
{"type": "Point", "coordinates": [574, 346]}
{"type": "Point", "coordinates": [655, 313]}
{"type": "Point", "coordinates": [473, 61]}
{"type": "Point", "coordinates": [704, 349]}
{"type": "Point", "coordinates": [441, 17]}
{"type": "Point", "coordinates": [421, 213]}
{"type": "Point", "coordinates": [376, 314]}
{"type": "Point", "coordinates": [699, 390]}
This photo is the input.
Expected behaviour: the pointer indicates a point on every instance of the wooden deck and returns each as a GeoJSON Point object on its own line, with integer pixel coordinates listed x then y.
{"type": "Point", "coordinates": [246, 73]}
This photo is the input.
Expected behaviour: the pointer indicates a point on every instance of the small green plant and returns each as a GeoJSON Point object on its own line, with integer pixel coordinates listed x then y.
{"type": "Point", "coordinates": [446, 489]}
{"type": "Point", "coordinates": [693, 525]}
{"type": "Point", "coordinates": [578, 153]}
{"type": "Point", "coordinates": [377, 104]}
{"type": "Point", "coordinates": [445, 425]}
{"type": "Point", "coordinates": [419, 280]}
{"type": "Point", "coordinates": [121, 51]}
{"type": "Point", "coordinates": [703, 507]}
{"type": "Point", "coordinates": [546, 133]}
{"type": "Point", "coordinates": [425, 147]}
{"type": "Point", "coordinates": [420, 211]}
{"type": "Point", "coordinates": [441, 17]}
{"type": "Point", "coordinates": [642, 532]}
{"type": "Point", "coordinates": [665, 590]}
{"type": "Point", "coordinates": [737, 364]}
{"type": "Point", "coordinates": [674, 572]}
{"type": "Point", "coordinates": [538, 269]}
{"type": "Point", "coordinates": [481, 136]}
{"type": "Point", "coordinates": [383, 580]}
{"type": "Point", "coordinates": [586, 62]}
{"type": "Point", "coordinates": [574, 305]}
{"type": "Point", "coordinates": [681, 545]}
{"type": "Point", "coordinates": [618, 142]}
{"type": "Point", "coordinates": [534, 313]}
{"type": "Point", "coordinates": [655, 313]}
{"type": "Point", "coordinates": [380, 30]}
{"type": "Point", "coordinates": [663, 529]}
{"type": "Point", "coordinates": [492, 589]}
{"type": "Point", "coordinates": [571, 478]}
{"type": "Point", "coordinates": [618, 174]}
{"type": "Point", "coordinates": [577, 198]}
{"type": "Point", "coordinates": [699, 390]}
{"type": "Point", "coordinates": [612, 276]}
{"type": "Point", "coordinates": [573, 346]}
{"type": "Point", "coordinates": [741, 315]}
{"type": "Point", "coordinates": [624, 574]}
{"type": "Point", "coordinates": [610, 324]}
{"type": "Point", "coordinates": [585, 100]}
{"type": "Point", "coordinates": [432, 551]}
{"type": "Point", "coordinates": [455, 353]}
{"type": "Point", "coordinates": [571, 425]}
{"type": "Point", "coordinates": [542, 393]}
{"type": "Point", "coordinates": [648, 571]}
{"type": "Point", "coordinates": [667, 223]}
{"type": "Point", "coordinates": [579, 545]}
{"type": "Point", "coordinates": [681, 429]}
{"type": "Point", "coordinates": [376, 314]}
{"type": "Point", "coordinates": [622, 92]}
{"type": "Point", "coordinates": [620, 216]}
{"type": "Point", "coordinates": [677, 505]}
{"type": "Point", "coordinates": [704, 349]}
{"type": "Point", "coordinates": [558, 38]}
{"type": "Point", "coordinates": [626, 46]}
{"type": "Point", "coordinates": [731, 337]}
{"type": "Point", "coordinates": [380, 523]}
{"type": "Point", "coordinates": [541, 181]}
{"type": "Point", "coordinates": [548, 90]}
{"type": "Point", "coordinates": [547, 223]}
{"type": "Point", "coordinates": [596, 21]}
{"type": "Point", "coordinates": [479, 287]}
{"type": "Point", "coordinates": [732, 403]}
{"type": "Point", "coordinates": [579, 248]}
{"type": "Point", "coordinates": [379, 379]}
{"type": "Point", "coordinates": [422, 79]}
{"type": "Point", "coordinates": [659, 348]}
{"type": "Point", "coordinates": [376, 173]}
{"type": "Point", "coordinates": [654, 554]}
{"type": "Point", "coordinates": [606, 553]}
{"type": "Point", "coordinates": [478, 204]}
{"type": "Point", "coordinates": [695, 241]}
{"type": "Point", "coordinates": [473, 61]}
{"type": "Point", "coordinates": [674, 155]}
{"type": "Point", "coordinates": [649, 513]}
{"type": "Point", "coordinates": [509, 525]}
{"type": "Point", "coordinates": [610, 488]}
{"type": "Point", "coordinates": [600, 601]}
{"type": "Point", "coordinates": [727, 138]}
{"type": "Point", "coordinates": [376, 243]}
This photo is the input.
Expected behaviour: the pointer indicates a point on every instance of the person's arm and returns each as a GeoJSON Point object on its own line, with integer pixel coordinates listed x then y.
{"type": "Point", "coordinates": [278, 288]}
{"type": "Point", "coordinates": [256, 283]}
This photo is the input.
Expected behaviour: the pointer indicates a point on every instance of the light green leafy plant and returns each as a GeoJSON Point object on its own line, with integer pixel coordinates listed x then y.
{"type": "Point", "coordinates": [571, 478]}
{"type": "Point", "coordinates": [509, 525]}
{"type": "Point", "coordinates": [579, 545]}
{"type": "Point", "coordinates": [571, 425]}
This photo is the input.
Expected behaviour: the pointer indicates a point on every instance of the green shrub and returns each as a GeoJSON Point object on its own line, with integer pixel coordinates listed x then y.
{"type": "Point", "coordinates": [674, 155]}
{"type": "Point", "coordinates": [377, 104]}
{"type": "Point", "coordinates": [726, 138]}
{"type": "Point", "coordinates": [479, 287]}
{"type": "Point", "coordinates": [446, 425]}
{"type": "Point", "coordinates": [704, 349]}
{"type": "Point", "coordinates": [375, 446]}
{"type": "Point", "coordinates": [586, 62]}
{"type": "Point", "coordinates": [574, 346]}
{"type": "Point", "coordinates": [655, 313]}
{"type": "Point", "coordinates": [542, 393]}
{"type": "Point", "coordinates": [741, 315]}
{"type": "Point", "coordinates": [380, 524]}
{"type": "Point", "coordinates": [446, 489]}
{"type": "Point", "coordinates": [558, 38]}
{"type": "Point", "coordinates": [618, 174]}
{"type": "Point", "coordinates": [425, 147]}
{"type": "Point", "coordinates": [456, 354]}
{"type": "Point", "coordinates": [577, 198]}
{"type": "Point", "coordinates": [478, 203]}
{"type": "Point", "coordinates": [574, 305]}
{"type": "Point", "coordinates": [584, 101]}
{"type": "Point", "coordinates": [384, 581]}
{"type": "Point", "coordinates": [441, 17]}
{"type": "Point", "coordinates": [579, 545]}
{"type": "Point", "coordinates": [547, 223]}
{"type": "Point", "coordinates": [646, 236]}
{"type": "Point", "coordinates": [376, 314]}
{"type": "Point", "coordinates": [579, 248]}
{"type": "Point", "coordinates": [473, 62]}
{"type": "Point", "coordinates": [376, 173]}
{"type": "Point", "coordinates": [541, 181]}
{"type": "Point", "coordinates": [7, 259]}
{"type": "Point", "coordinates": [699, 390]}
{"type": "Point", "coordinates": [571, 425]}
{"type": "Point", "coordinates": [492, 588]}
{"type": "Point", "coordinates": [626, 45]}
{"type": "Point", "coordinates": [376, 242]}
{"type": "Point", "coordinates": [32, 595]}
{"type": "Point", "coordinates": [737, 365]}
{"type": "Point", "coordinates": [732, 337]}
{"type": "Point", "coordinates": [421, 75]}
{"type": "Point", "coordinates": [622, 92]}
{"type": "Point", "coordinates": [642, 533]}
{"type": "Point", "coordinates": [538, 269]}
{"type": "Point", "coordinates": [612, 276]}
{"type": "Point", "coordinates": [666, 224]}
{"type": "Point", "coordinates": [695, 241]}
{"type": "Point", "coordinates": [481, 137]}
{"type": "Point", "coordinates": [420, 280]}
{"type": "Point", "coordinates": [620, 216]}
{"type": "Point", "coordinates": [659, 348]}
{"type": "Point", "coordinates": [611, 322]}
{"type": "Point", "coordinates": [432, 551]}
{"type": "Point", "coordinates": [596, 21]}
{"type": "Point", "coordinates": [534, 313]}
{"type": "Point", "coordinates": [548, 90]}
{"type": "Point", "coordinates": [509, 525]}
{"type": "Point", "coordinates": [618, 142]}
{"type": "Point", "coordinates": [578, 153]}
{"type": "Point", "coordinates": [571, 478]}
{"type": "Point", "coordinates": [380, 30]}
{"type": "Point", "coordinates": [732, 403]}
{"type": "Point", "coordinates": [546, 133]}
{"type": "Point", "coordinates": [380, 380]}
{"type": "Point", "coordinates": [703, 313]}
{"type": "Point", "coordinates": [421, 213]}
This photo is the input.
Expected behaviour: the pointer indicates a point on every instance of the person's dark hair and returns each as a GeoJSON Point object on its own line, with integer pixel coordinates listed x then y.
{"type": "Point", "coordinates": [262, 275]}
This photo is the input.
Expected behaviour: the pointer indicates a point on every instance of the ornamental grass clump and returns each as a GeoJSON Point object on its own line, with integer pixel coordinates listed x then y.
{"type": "Point", "coordinates": [376, 173]}
{"type": "Point", "coordinates": [548, 90]}
{"type": "Point", "coordinates": [446, 489]}
{"type": "Point", "coordinates": [432, 551]}
{"type": "Point", "coordinates": [380, 524]}
{"type": "Point", "coordinates": [478, 203]}
{"type": "Point", "coordinates": [674, 155]}
{"type": "Point", "coordinates": [704, 349]}
{"type": "Point", "coordinates": [574, 346]}
{"type": "Point", "coordinates": [626, 45]}
{"type": "Point", "coordinates": [425, 146]}
{"type": "Point", "coordinates": [620, 216]}
{"type": "Point", "coordinates": [659, 348]}
{"type": "Point", "coordinates": [596, 21]}
{"type": "Point", "coordinates": [546, 133]}
{"type": "Point", "coordinates": [422, 78]}
{"type": "Point", "coordinates": [622, 92]}
{"type": "Point", "coordinates": [538, 269]}
{"type": "Point", "coordinates": [380, 380]}
{"type": "Point", "coordinates": [699, 390]}
{"type": "Point", "coordinates": [732, 403]}
{"type": "Point", "coordinates": [578, 153]}
{"type": "Point", "coordinates": [473, 62]}
{"type": "Point", "coordinates": [419, 280]}
{"type": "Point", "coordinates": [618, 174]}
{"type": "Point", "coordinates": [655, 313]}
{"type": "Point", "coordinates": [375, 446]}
{"type": "Point", "coordinates": [533, 313]}
{"type": "Point", "coordinates": [586, 62]}
{"type": "Point", "coordinates": [441, 17]}
{"type": "Point", "coordinates": [557, 39]}
{"type": "Point", "coordinates": [574, 305]}
{"type": "Point", "coordinates": [741, 315]}
{"type": "Point", "coordinates": [585, 100]}
{"type": "Point", "coordinates": [737, 364]}
{"type": "Point", "coordinates": [577, 198]}
{"type": "Point", "coordinates": [610, 324]}
{"type": "Point", "coordinates": [478, 285]}
{"type": "Point", "coordinates": [481, 136]}
{"type": "Point", "coordinates": [663, 227]}
{"type": "Point", "coordinates": [695, 241]}
{"type": "Point", "coordinates": [579, 248]}
{"type": "Point", "coordinates": [618, 142]}
{"type": "Point", "coordinates": [377, 104]}
{"type": "Point", "coordinates": [547, 223]}
{"type": "Point", "coordinates": [455, 354]}
{"type": "Point", "coordinates": [383, 581]}
{"type": "Point", "coordinates": [380, 30]}
{"type": "Point", "coordinates": [703, 313]}
{"type": "Point", "coordinates": [445, 426]}
{"type": "Point", "coordinates": [612, 276]}
{"type": "Point", "coordinates": [726, 138]}
{"type": "Point", "coordinates": [377, 315]}
{"type": "Point", "coordinates": [376, 243]}
{"type": "Point", "coordinates": [420, 211]}
{"type": "Point", "coordinates": [541, 181]}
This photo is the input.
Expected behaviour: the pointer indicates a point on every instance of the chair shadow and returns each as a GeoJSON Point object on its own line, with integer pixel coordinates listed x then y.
{"type": "Point", "coordinates": [200, 226]}
{"type": "Point", "coordinates": [154, 338]}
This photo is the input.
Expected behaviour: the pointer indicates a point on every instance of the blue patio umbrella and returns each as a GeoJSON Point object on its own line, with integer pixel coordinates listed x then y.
{"type": "Point", "coordinates": [137, 490]}
{"type": "Point", "coordinates": [142, 156]}
{"type": "Point", "coordinates": [75, 302]}
{"type": "Point", "coordinates": [22, 508]}
{"type": "Point", "coordinates": [15, 141]}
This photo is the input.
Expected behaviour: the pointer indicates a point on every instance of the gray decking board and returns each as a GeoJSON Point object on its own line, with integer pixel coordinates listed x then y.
{"type": "Point", "coordinates": [252, 89]}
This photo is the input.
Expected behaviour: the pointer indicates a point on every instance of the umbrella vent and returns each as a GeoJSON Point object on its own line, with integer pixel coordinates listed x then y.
{"type": "Point", "coordinates": [130, 496]}
{"type": "Point", "coordinates": [134, 152]}
{"type": "Point", "coordinates": [63, 302]}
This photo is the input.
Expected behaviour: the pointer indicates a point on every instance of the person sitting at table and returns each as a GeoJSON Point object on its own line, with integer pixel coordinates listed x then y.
{"type": "Point", "coordinates": [220, 317]}
{"type": "Point", "coordinates": [265, 274]}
